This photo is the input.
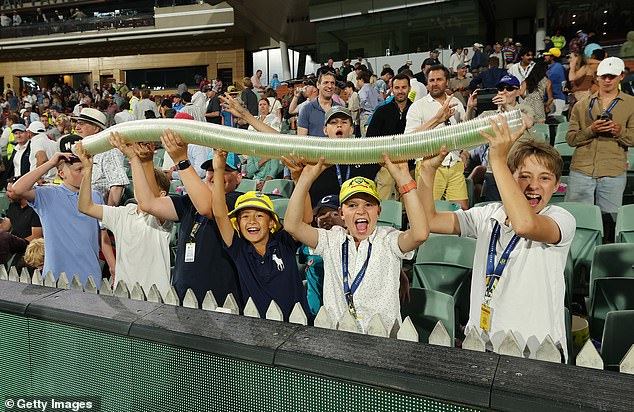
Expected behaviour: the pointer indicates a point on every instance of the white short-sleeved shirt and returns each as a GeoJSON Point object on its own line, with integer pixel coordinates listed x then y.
{"type": "Point", "coordinates": [421, 111]}
{"type": "Point", "coordinates": [41, 143]}
{"type": "Point", "coordinates": [142, 247]}
{"type": "Point", "coordinates": [529, 297]}
{"type": "Point", "coordinates": [378, 291]}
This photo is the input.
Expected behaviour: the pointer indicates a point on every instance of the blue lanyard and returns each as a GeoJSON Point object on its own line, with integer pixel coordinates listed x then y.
{"type": "Point", "coordinates": [494, 273]}
{"type": "Point", "coordinates": [339, 178]}
{"type": "Point", "coordinates": [348, 291]}
{"type": "Point", "coordinates": [609, 109]}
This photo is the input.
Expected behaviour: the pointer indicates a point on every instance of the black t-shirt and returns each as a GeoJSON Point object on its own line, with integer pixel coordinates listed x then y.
{"type": "Point", "coordinates": [22, 219]}
{"type": "Point", "coordinates": [388, 120]}
{"type": "Point", "coordinates": [212, 268]}
{"type": "Point", "coordinates": [328, 183]}
{"type": "Point", "coordinates": [251, 101]}
{"type": "Point", "coordinates": [214, 106]}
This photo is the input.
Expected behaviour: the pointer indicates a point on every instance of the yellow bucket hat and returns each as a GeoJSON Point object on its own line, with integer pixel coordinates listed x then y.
{"type": "Point", "coordinates": [358, 185]}
{"type": "Point", "coordinates": [254, 200]}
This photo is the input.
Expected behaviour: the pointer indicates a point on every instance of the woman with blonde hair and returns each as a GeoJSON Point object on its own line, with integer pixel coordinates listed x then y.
{"type": "Point", "coordinates": [34, 255]}
{"type": "Point", "coordinates": [582, 75]}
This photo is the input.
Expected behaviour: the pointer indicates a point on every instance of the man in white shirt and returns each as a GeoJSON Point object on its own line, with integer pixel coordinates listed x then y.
{"type": "Point", "coordinates": [435, 110]}
{"type": "Point", "coordinates": [22, 159]}
{"type": "Point", "coordinates": [522, 69]}
{"type": "Point", "coordinates": [42, 147]}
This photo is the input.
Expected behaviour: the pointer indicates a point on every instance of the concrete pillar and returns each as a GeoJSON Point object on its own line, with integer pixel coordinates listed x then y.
{"type": "Point", "coordinates": [540, 23]}
{"type": "Point", "coordinates": [286, 67]}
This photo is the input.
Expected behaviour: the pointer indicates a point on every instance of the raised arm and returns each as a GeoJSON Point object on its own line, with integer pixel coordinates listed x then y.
{"type": "Point", "coordinates": [197, 190]}
{"type": "Point", "coordinates": [525, 222]}
{"type": "Point", "coordinates": [295, 165]}
{"type": "Point", "coordinates": [294, 219]}
{"type": "Point", "coordinates": [418, 231]}
{"type": "Point", "coordinates": [443, 222]}
{"type": "Point", "coordinates": [219, 203]}
{"type": "Point", "coordinates": [23, 187]}
{"type": "Point", "coordinates": [85, 204]}
{"type": "Point", "coordinates": [232, 106]}
{"type": "Point", "coordinates": [160, 207]}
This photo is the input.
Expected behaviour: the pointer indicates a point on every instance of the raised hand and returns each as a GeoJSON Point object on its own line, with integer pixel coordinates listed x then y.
{"type": "Point", "coordinates": [294, 164]}
{"type": "Point", "coordinates": [219, 160]}
{"type": "Point", "coordinates": [117, 141]}
{"type": "Point", "coordinates": [145, 151]}
{"type": "Point", "coordinates": [174, 145]}
{"type": "Point", "coordinates": [313, 171]}
{"type": "Point", "coordinates": [82, 154]}
{"type": "Point", "coordinates": [399, 170]}
{"type": "Point", "coordinates": [231, 105]}
{"type": "Point", "coordinates": [446, 111]}
{"type": "Point", "coordinates": [502, 139]}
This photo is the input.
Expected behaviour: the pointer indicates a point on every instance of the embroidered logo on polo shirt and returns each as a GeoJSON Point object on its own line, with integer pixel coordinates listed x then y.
{"type": "Point", "coordinates": [279, 262]}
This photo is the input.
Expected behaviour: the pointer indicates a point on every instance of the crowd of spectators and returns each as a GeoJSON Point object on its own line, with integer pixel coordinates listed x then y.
{"type": "Point", "coordinates": [235, 243]}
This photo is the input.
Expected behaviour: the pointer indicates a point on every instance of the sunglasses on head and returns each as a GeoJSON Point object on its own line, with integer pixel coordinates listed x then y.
{"type": "Point", "coordinates": [506, 87]}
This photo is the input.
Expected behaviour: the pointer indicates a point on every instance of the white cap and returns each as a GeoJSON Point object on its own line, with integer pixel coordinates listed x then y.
{"type": "Point", "coordinates": [478, 45]}
{"type": "Point", "coordinates": [36, 127]}
{"type": "Point", "coordinates": [611, 65]}
{"type": "Point", "coordinates": [27, 105]}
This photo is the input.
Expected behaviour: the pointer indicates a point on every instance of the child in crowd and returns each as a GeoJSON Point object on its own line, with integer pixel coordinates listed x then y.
{"type": "Point", "coordinates": [326, 215]}
{"type": "Point", "coordinates": [522, 243]}
{"type": "Point", "coordinates": [72, 238]}
{"type": "Point", "coordinates": [142, 239]}
{"type": "Point", "coordinates": [263, 252]}
{"type": "Point", "coordinates": [362, 262]}
{"type": "Point", "coordinates": [34, 255]}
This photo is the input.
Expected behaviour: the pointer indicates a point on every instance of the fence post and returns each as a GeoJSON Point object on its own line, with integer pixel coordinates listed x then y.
{"type": "Point", "coordinates": [3, 273]}
{"type": "Point", "coordinates": [25, 277]}
{"type": "Point", "coordinates": [407, 331]}
{"type": "Point", "coordinates": [297, 315]}
{"type": "Point", "coordinates": [13, 274]}
{"type": "Point", "coordinates": [121, 290]}
{"type": "Point", "coordinates": [75, 284]}
{"type": "Point", "coordinates": [62, 281]}
{"type": "Point", "coordinates": [323, 319]}
{"type": "Point", "coordinates": [209, 303]}
{"type": "Point", "coordinates": [37, 278]}
{"type": "Point", "coordinates": [250, 310]}
{"type": "Point", "coordinates": [548, 351]}
{"type": "Point", "coordinates": [230, 305]}
{"type": "Point", "coordinates": [348, 323]}
{"type": "Point", "coordinates": [49, 280]}
{"type": "Point", "coordinates": [274, 312]}
{"type": "Point", "coordinates": [376, 326]}
{"type": "Point", "coordinates": [627, 363]}
{"type": "Point", "coordinates": [588, 357]}
{"type": "Point", "coordinates": [105, 288]}
{"type": "Point", "coordinates": [154, 295]}
{"type": "Point", "coordinates": [189, 300]}
{"type": "Point", "coordinates": [473, 341]}
{"type": "Point", "coordinates": [510, 346]}
{"type": "Point", "coordinates": [137, 292]}
{"type": "Point", "coordinates": [172, 297]}
{"type": "Point", "coordinates": [90, 287]}
{"type": "Point", "coordinates": [439, 336]}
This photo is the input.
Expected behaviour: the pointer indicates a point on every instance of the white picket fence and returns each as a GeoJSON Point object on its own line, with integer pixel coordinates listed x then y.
{"type": "Point", "coordinates": [588, 357]}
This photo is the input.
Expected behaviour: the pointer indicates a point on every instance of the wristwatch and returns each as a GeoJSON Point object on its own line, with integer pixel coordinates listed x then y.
{"type": "Point", "coordinates": [183, 164]}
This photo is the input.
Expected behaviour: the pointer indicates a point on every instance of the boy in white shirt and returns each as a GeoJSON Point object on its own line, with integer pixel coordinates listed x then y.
{"type": "Point", "coordinates": [362, 262]}
{"type": "Point", "coordinates": [142, 240]}
{"type": "Point", "coordinates": [522, 243]}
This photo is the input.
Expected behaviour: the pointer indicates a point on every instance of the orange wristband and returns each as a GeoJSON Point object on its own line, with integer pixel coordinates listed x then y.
{"type": "Point", "coordinates": [407, 188]}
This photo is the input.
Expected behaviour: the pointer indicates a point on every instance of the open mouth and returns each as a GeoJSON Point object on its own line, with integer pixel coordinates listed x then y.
{"type": "Point", "coordinates": [361, 225]}
{"type": "Point", "coordinates": [253, 230]}
{"type": "Point", "coordinates": [339, 133]}
{"type": "Point", "coordinates": [533, 199]}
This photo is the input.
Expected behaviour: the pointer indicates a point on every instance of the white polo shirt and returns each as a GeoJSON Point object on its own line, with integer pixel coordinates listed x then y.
{"type": "Point", "coordinates": [41, 143]}
{"type": "Point", "coordinates": [421, 111]}
{"type": "Point", "coordinates": [378, 291]}
{"type": "Point", "coordinates": [529, 297]}
{"type": "Point", "coordinates": [143, 253]}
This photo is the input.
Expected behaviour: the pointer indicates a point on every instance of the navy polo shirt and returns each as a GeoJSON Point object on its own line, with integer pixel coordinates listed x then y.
{"type": "Point", "coordinates": [273, 276]}
{"type": "Point", "coordinates": [312, 117]}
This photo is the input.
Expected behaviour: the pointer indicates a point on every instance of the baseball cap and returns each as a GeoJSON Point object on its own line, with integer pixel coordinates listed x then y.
{"type": "Point", "coordinates": [232, 90]}
{"type": "Point", "coordinates": [510, 80]}
{"type": "Point", "coordinates": [27, 105]}
{"type": "Point", "coordinates": [19, 127]}
{"type": "Point", "coordinates": [478, 45]}
{"type": "Point", "coordinates": [206, 88]}
{"type": "Point", "coordinates": [67, 142]}
{"type": "Point", "coordinates": [254, 200]}
{"type": "Point", "coordinates": [330, 201]}
{"type": "Point", "coordinates": [358, 185]}
{"type": "Point", "coordinates": [36, 127]}
{"type": "Point", "coordinates": [611, 65]}
{"type": "Point", "coordinates": [335, 110]}
{"type": "Point", "coordinates": [461, 66]}
{"type": "Point", "coordinates": [233, 161]}
{"type": "Point", "coordinates": [183, 115]}
{"type": "Point", "coordinates": [553, 52]}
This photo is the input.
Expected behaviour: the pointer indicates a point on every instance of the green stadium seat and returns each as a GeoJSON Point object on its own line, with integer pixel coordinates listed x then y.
{"type": "Point", "coordinates": [277, 188]}
{"type": "Point", "coordinates": [610, 294]}
{"type": "Point", "coordinates": [624, 232]}
{"type": "Point", "coordinates": [175, 184]}
{"type": "Point", "coordinates": [280, 207]}
{"type": "Point", "coordinates": [471, 192]}
{"type": "Point", "coordinates": [566, 153]}
{"type": "Point", "coordinates": [630, 160]}
{"type": "Point", "coordinates": [562, 130]}
{"type": "Point", "coordinates": [588, 235]}
{"type": "Point", "coordinates": [247, 185]}
{"type": "Point", "coordinates": [560, 118]}
{"type": "Point", "coordinates": [444, 264]}
{"type": "Point", "coordinates": [617, 337]}
{"type": "Point", "coordinates": [543, 129]}
{"type": "Point", "coordinates": [446, 206]}
{"type": "Point", "coordinates": [560, 195]}
{"type": "Point", "coordinates": [4, 202]}
{"type": "Point", "coordinates": [614, 260]}
{"type": "Point", "coordinates": [391, 214]}
{"type": "Point", "coordinates": [425, 308]}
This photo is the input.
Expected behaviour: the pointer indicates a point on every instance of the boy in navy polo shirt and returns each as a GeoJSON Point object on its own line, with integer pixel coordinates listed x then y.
{"type": "Point", "coordinates": [263, 252]}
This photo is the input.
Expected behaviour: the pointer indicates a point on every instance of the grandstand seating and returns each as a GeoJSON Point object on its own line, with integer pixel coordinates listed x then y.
{"type": "Point", "coordinates": [425, 308]}
{"type": "Point", "coordinates": [624, 231]}
{"type": "Point", "coordinates": [562, 130]}
{"type": "Point", "coordinates": [610, 294]}
{"type": "Point", "coordinates": [280, 207]}
{"type": "Point", "coordinates": [391, 214]}
{"type": "Point", "coordinates": [541, 129]}
{"type": "Point", "coordinates": [613, 260]}
{"type": "Point", "coordinates": [446, 206]}
{"type": "Point", "coordinates": [175, 184]}
{"type": "Point", "coordinates": [4, 202]}
{"type": "Point", "coordinates": [246, 185]}
{"type": "Point", "coordinates": [617, 337]}
{"type": "Point", "coordinates": [560, 195]}
{"type": "Point", "coordinates": [566, 153]}
{"type": "Point", "coordinates": [277, 188]}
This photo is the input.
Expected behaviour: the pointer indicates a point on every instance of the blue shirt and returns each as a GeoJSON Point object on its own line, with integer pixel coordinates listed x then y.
{"type": "Point", "coordinates": [557, 75]}
{"type": "Point", "coordinates": [314, 278]}
{"type": "Point", "coordinates": [488, 79]}
{"type": "Point", "coordinates": [178, 107]}
{"type": "Point", "coordinates": [273, 276]}
{"type": "Point", "coordinates": [369, 99]}
{"type": "Point", "coordinates": [312, 117]}
{"type": "Point", "coordinates": [72, 238]}
{"type": "Point", "coordinates": [274, 83]}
